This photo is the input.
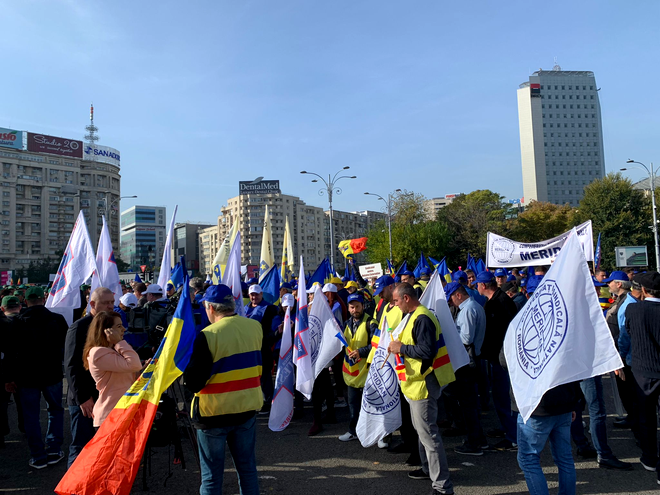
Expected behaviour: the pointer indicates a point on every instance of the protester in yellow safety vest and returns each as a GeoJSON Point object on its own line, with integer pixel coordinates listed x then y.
{"type": "Point", "coordinates": [424, 277]}
{"type": "Point", "coordinates": [387, 309]}
{"type": "Point", "coordinates": [427, 369]}
{"type": "Point", "coordinates": [225, 374]}
{"type": "Point", "coordinates": [409, 277]}
{"type": "Point", "coordinates": [359, 329]}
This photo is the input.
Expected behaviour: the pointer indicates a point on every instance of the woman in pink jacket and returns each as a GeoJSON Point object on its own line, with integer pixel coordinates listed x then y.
{"type": "Point", "coordinates": [112, 362]}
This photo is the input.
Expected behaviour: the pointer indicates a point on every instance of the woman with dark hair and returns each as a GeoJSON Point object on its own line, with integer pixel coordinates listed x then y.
{"type": "Point", "coordinates": [111, 361]}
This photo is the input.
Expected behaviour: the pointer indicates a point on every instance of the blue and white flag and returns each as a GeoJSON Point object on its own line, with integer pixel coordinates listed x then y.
{"type": "Point", "coordinates": [281, 411]}
{"type": "Point", "coordinates": [232, 276]}
{"type": "Point", "coordinates": [381, 402]}
{"type": "Point", "coordinates": [323, 330]}
{"type": "Point", "coordinates": [434, 299]}
{"type": "Point", "coordinates": [302, 356]}
{"type": "Point", "coordinates": [560, 335]}
{"type": "Point", "coordinates": [138, 279]}
{"type": "Point", "coordinates": [166, 263]}
{"type": "Point", "coordinates": [77, 265]}
{"type": "Point", "coordinates": [597, 255]}
{"type": "Point", "coordinates": [107, 267]}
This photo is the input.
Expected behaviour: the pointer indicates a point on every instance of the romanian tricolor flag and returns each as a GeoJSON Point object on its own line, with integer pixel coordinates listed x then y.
{"type": "Point", "coordinates": [352, 246]}
{"type": "Point", "coordinates": [109, 462]}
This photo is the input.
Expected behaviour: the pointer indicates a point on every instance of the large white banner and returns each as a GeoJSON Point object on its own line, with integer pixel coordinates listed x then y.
{"type": "Point", "coordinates": [560, 335]}
{"type": "Point", "coordinates": [506, 253]}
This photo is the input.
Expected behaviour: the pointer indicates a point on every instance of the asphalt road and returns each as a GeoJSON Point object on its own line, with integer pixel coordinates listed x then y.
{"type": "Point", "coordinates": [292, 463]}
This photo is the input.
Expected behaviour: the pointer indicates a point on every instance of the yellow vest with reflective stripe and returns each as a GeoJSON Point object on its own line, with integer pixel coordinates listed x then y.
{"type": "Point", "coordinates": [414, 385]}
{"type": "Point", "coordinates": [235, 383]}
{"type": "Point", "coordinates": [355, 375]}
{"type": "Point", "coordinates": [394, 316]}
{"type": "Point", "coordinates": [423, 283]}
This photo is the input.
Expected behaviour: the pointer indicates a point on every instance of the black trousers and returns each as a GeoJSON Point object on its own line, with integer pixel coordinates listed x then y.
{"type": "Point", "coordinates": [648, 393]}
{"type": "Point", "coordinates": [462, 402]}
{"type": "Point", "coordinates": [322, 391]}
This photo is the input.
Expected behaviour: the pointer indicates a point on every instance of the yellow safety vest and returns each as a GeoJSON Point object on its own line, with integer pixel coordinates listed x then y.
{"type": "Point", "coordinates": [423, 283]}
{"type": "Point", "coordinates": [394, 316]}
{"type": "Point", "coordinates": [414, 384]}
{"type": "Point", "coordinates": [355, 374]}
{"type": "Point", "coordinates": [235, 383]}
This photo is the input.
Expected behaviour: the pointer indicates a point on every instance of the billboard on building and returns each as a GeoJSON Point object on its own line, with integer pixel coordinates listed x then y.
{"type": "Point", "coordinates": [261, 187]}
{"type": "Point", "coordinates": [41, 143]}
{"type": "Point", "coordinates": [631, 256]}
{"type": "Point", "coordinates": [102, 154]}
{"type": "Point", "coordinates": [9, 138]}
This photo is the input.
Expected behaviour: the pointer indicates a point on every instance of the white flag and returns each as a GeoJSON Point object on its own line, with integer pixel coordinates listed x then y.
{"type": "Point", "coordinates": [77, 265]}
{"type": "Point", "coordinates": [323, 329]}
{"type": "Point", "coordinates": [232, 276]}
{"type": "Point", "coordinates": [267, 257]}
{"type": "Point", "coordinates": [302, 356]}
{"type": "Point", "coordinates": [222, 256]}
{"type": "Point", "coordinates": [281, 411]}
{"type": "Point", "coordinates": [435, 300]}
{"type": "Point", "coordinates": [381, 402]}
{"type": "Point", "coordinates": [106, 265]}
{"type": "Point", "coordinates": [560, 335]}
{"type": "Point", "coordinates": [166, 263]}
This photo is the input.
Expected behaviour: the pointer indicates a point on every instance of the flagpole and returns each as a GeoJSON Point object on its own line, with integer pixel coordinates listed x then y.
{"type": "Point", "coordinates": [329, 190]}
{"type": "Point", "coordinates": [388, 203]}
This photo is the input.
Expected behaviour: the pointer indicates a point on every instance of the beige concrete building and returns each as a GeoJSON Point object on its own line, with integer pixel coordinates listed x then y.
{"type": "Point", "coordinates": [433, 205]}
{"type": "Point", "coordinates": [42, 194]}
{"type": "Point", "coordinates": [561, 136]}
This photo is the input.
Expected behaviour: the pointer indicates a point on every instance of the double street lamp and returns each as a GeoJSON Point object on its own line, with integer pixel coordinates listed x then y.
{"type": "Point", "coordinates": [109, 205]}
{"type": "Point", "coordinates": [331, 189]}
{"type": "Point", "coordinates": [652, 172]}
{"type": "Point", "coordinates": [388, 203]}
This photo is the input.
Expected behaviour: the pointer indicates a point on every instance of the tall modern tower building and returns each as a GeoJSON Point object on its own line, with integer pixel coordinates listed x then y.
{"type": "Point", "coordinates": [561, 136]}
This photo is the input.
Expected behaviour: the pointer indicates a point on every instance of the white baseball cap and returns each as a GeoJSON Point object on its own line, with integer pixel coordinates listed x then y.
{"type": "Point", "coordinates": [312, 289]}
{"type": "Point", "coordinates": [129, 300]}
{"type": "Point", "coordinates": [288, 300]}
{"type": "Point", "coordinates": [329, 288]}
{"type": "Point", "coordinates": [255, 289]}
{"type": "Point", "coordinates": [154, 289]}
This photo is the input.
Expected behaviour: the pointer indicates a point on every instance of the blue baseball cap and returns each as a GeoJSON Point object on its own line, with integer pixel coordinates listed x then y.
{"type": "Point", "coordinates": [533, 282]}
{"type": "Point", "coordinates": [286, 285]}
{"type": "Point", "coordinates": [408, 273]}
{"type": "Point", "coordinates": [459, 275]}
{"type": "Point", "coordinates": [523, 282]}
{"type": "Point", "coordinates": [170, 287]}
{"type": "Point", "coordinates": [356, 298]}
{"type": "Point", "coordinates": [485, 277]}
{"type": "Point", "coordinates": [500, 272]}
{"type": "Point", "coordinates": [511, 278]}
{"type": "Point", "coordinates": [220, 294]}
{"type": "Point", "coordinates": [253, 280]}
{"type": "Point", "coordinates": [381, 283]}
{"type": "Point", "coordinates": [617, 275]}
{"type": "Point", "coordinates": [450, 288]}
{"type": "Point", "coordinates": [426, 271]}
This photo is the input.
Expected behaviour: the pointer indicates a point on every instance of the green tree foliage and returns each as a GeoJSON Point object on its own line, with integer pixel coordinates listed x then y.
{"type": "Point", "coordinates": [122, 266]}
{"type": "Point", "coordinates": [620, 213]}
{"type": "Point", "coordinates": [542, 220]}
{"type": "Point", "coordinates": [468, 219]}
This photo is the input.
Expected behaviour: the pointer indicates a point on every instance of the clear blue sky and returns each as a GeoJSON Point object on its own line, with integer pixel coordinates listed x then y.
{"type": "Point", "coordinates": [417, 95]}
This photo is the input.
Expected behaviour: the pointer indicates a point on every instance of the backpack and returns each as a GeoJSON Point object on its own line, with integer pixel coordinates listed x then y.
{"type": "Point", "coordinates": [158, 318]}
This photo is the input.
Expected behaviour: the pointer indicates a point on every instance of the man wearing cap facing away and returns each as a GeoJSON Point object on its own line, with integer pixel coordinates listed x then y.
{"type": "Point", "coordinates": [359, 329]}
{"type": "Point", "coordinates": [35, 370]}
{"type": "Point", "coordinates": [643, 325]}
{"type": "Point", "coordinates": [259, 310]}
{"type": "Point", "coordinates": [224, 374]}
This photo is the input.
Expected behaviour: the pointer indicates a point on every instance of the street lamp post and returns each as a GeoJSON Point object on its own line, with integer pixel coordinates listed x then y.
{"type": "Point", "coordinates": [654, 228]}
{"type": "Point", "coordinates": [108, 207]}
{"type": "Point", "coordinates": [329, 190]}
{"type": "Point", "coordinates": [388, 203]}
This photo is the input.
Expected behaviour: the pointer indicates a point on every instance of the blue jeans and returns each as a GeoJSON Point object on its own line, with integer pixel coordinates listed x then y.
{"type": "Point", "coordinates": [592, 388]}
{"type": "Point", "coordinates": [532, 438]}
{"type": "Point", "coordinates": [31, 404]}
{"type": "Point", "coordinates": [82, 431]}
{"type": "Point", "coordinates": [501, 386]}
{"type": "Point", "coordinates": [242, 446]}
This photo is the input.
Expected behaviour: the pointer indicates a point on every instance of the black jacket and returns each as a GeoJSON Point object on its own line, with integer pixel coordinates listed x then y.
{"type": "Point", "coordinates": [37, 348]}
{"type": "Point", "coordinates": [559, 400]}
{"type": "Point", "coordinates": [81, 384]}
{"type": "Point", "coordinates": [643, 324]}
{"type": "Point", "coordinates": [500, 310]}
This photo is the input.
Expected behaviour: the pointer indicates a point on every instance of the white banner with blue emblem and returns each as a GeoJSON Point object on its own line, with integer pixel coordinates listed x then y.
{"type": "Point", "coordinates": [560, 335]}
{"type": "Point", "coordinates": [381, 402]}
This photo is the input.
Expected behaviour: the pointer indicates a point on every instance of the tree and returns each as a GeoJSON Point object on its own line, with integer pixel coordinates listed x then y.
{"type": "Point", "coordinates": [122, 266]}
{"type": "Point", "coordinates": [541, 221]}
{"type": "Point", "coordinates": [619, 213]}
{"type": "Point", "coordinates": [468, 219]}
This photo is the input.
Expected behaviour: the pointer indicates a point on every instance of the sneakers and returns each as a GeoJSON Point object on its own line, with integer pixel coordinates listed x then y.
{"type": "Point", "coordinates": [418, 474]}
{"type": "Point", "coordinates": [55, 458]}
{"type": "Point", "coordinates": [38, 464]}
{"type": "Point", "coordinates": [505, 445]}
{"type": "Point", "coordinates": [382, 444]}
{"type": "Point", "coordinates": [467, 449]}
{"type": "Point", "coordinates": [347, 437]}
{"type": "Point", "coordinates": [614, 463]}
{"type": "Point", "coordinates": [647, 465]}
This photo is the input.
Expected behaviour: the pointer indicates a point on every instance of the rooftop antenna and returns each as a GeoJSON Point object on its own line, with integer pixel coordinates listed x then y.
{"type": "Point", "coordinates": [556, 67]}
{"type": "Point", "coordinates": [91, 137]}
